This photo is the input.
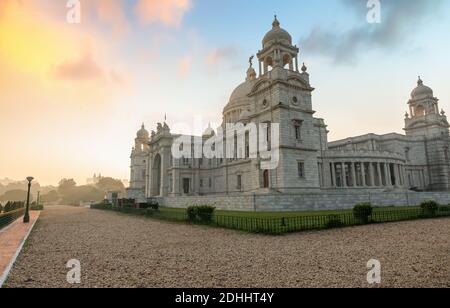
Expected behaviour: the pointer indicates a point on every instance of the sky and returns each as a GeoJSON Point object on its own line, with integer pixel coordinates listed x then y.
{"type": "Point", "coordinates": [73, 95]}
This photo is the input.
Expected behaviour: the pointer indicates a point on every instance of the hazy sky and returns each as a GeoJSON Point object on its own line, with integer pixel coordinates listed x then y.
{"type": "Point", "coordinates": [72, 96]}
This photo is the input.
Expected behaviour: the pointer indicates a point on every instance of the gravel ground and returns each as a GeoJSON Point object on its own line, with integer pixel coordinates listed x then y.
{"type": "Point", "coordinates": [116, 250]}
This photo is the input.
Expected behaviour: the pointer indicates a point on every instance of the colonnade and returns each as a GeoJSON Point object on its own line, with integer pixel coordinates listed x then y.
{"type": "Point", "coordinates": [367, 174]}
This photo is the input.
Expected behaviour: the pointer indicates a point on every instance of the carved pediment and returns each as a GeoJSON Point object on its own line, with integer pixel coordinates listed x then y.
{"type": "Point", "coordinates": [261, 85]}
{"type": "Point", "coordinates": [298, 82]}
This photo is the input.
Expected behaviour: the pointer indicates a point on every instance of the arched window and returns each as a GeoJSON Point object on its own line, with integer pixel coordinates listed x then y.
{"type": "Point", "coordinates": [419, 111]}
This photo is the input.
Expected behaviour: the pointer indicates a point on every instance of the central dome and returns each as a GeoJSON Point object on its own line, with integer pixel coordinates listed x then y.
{"type": "Point", "coordinates": [277, 34]}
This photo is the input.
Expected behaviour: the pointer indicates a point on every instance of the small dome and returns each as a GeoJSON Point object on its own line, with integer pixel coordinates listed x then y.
{"type": "Point", "coordinates": [209, 131]}
{"type": "Point", "coordinates": [277, 34]}
{"type": "Point", "coordinates": [421, 91]}
{"type": "Point", "coordinates": [143, 133]}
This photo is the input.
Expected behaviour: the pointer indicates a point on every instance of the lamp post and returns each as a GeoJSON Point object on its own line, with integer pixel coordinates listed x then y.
{"type": "Point", "coordinates": [26, 217]}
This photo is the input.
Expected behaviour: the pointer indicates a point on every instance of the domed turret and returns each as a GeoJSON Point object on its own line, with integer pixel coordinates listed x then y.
{"type": "Point", "coordinates": [421, 91]}
{"type": "Point", "coordinates": [277, 34]}
{"type": "Point", "coordinates": [142, 133]}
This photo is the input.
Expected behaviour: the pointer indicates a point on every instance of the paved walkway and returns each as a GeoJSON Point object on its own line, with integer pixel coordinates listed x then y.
{"type": "Point", "coordinates": [11, 238]}
{"type": "Point", "coordinates": [117, 250]}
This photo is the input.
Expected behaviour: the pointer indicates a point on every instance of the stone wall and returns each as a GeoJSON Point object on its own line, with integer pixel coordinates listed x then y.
{"type": "Point", "coordinates": [306, 201]}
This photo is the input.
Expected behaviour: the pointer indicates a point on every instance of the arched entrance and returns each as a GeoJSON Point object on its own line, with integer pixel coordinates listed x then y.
{"type": "Point", "coordinates": [156, 176]}
{"type": "Point", "coordinates": [266, 179]}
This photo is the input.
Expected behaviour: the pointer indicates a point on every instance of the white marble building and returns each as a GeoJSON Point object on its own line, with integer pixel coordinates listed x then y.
{"type": "Point", "coordinates": [280, 92]}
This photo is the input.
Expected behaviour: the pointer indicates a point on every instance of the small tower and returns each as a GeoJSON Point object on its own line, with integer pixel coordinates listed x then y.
{"type": "Point", "coordinates": [424, 117]}
{"type": "Point", "coordinates": [138, 167]}
{"type": "Point", "coordinates": [424, 120]}
{"type": "Point", "coordinates": [278, 51]}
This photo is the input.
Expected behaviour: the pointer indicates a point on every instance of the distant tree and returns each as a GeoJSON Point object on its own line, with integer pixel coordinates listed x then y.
{"type": "Point", "coordinates": [75, 195]}
{"type": "Point", "coordinates": [110, 184]}
{"type": "Point", "coordinates": [51, 196]}
{"type": "Point", "coordinates": [66, 185]}
{"type": "Point", "coordinates": [14, 195]}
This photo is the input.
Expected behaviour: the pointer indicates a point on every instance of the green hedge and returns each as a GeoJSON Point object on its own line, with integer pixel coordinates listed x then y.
{"type": "Point", "coordinates": [362, 212]}
{"type": "Point", "coordinates": [200, 214]}
{"type": "Point", "coordinates": [206, 215]}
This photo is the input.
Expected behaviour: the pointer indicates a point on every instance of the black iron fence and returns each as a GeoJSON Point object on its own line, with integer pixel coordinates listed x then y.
{"type": "Point", "coordinates": [288, 224]}
{"type": "Point", "coordinates": [9, 217]}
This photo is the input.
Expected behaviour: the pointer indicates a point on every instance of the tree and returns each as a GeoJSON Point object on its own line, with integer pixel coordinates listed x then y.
{"type": "Point", "coordinates": [14, 195]}
{"type": "Point", "coordinates": [66, 185]}
{"type": "Point", "coordinates": [110, 184]}
{"type": "Point", "coordinates": [75, 195]}
{"type": "Point", "coordinates": [52, 196]}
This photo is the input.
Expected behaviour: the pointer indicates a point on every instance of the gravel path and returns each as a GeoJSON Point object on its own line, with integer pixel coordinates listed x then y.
{"type": "Point", "coordinates": [116, 250]}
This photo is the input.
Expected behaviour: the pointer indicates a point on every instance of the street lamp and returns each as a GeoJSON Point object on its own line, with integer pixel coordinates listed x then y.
{"type": "Point", "coordinates": [26, 217]}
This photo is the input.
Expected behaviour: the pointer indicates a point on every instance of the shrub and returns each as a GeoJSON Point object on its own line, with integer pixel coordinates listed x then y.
{"type": "Point", "coordinates": [149, 205]}
{"type": "Point", "coordinates": [362, 212]}
{"type": "Point", "coordinates": [429, 208]}
{"type": "Point", "coordinates": [200, 214]}
{"type": "Point", "coordinates": [334, 221]}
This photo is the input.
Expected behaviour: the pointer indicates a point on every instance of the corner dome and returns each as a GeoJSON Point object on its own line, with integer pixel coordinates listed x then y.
{"type": "Point", "coordinates": [143, 133]}
{"type": "Point", "coordinates": [277, 34]}
{"type": "Point", "coordinates": [239, 97]}
{"type": "Point", "coordinates": [421, 91]}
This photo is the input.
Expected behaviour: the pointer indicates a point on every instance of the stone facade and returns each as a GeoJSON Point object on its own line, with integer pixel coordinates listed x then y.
{"type": "Point", "coordinates": [312, 173]}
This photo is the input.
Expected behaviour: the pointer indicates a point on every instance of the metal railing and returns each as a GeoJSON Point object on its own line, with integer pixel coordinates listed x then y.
{"type": "Point", "coordinates": [9, 217]}
{"type": "Point", "coordinates": [288, 224]}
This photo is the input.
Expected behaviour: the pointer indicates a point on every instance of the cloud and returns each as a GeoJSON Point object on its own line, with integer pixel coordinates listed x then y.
{"type": "Point", "coordinates": [400, 19]}
{"type": "Point", "coordinates": [111, 12]}
{"type": "Point", "coordinates": [184, 67]}
{"type": "Point", "coordinates": [167, 12]}
{"type": "Point", "coordinates": [84, 68]}
{"type": "Point", "coordinates": [218, 55]}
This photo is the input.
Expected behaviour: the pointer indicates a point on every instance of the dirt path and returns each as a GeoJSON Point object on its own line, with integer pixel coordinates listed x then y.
{"type": "Point", "coordinates": [116, 250]}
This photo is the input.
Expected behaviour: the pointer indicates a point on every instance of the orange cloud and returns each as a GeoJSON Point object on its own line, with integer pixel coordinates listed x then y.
{"type": "Point", "coordinates": [111, 12]}
{"type": "Point", "coordinates": [184, 67]}
{"type": "Point", "coordinates": [168, 12]}
{"type": "Point", "coordinates": [80, 69]}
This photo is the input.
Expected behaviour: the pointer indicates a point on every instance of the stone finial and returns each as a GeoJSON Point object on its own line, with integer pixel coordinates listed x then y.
{"type": "Point", "coordinates": [276, 23]}
{"type": "Point", "coordinates": [442, 112]}
{"type": "Point", "coordinates": [407, 115]}
{"type": "Point", "coordinates": [304, 68]}
{"type": "Point", "coordinates": [420, 81]}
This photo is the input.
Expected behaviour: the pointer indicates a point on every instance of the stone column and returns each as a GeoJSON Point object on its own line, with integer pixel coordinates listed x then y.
{"type": "Point", "coordinates": [354, 181]}
{"type": "Point", "coordinates": [372, 175]}
{"type": "Point", "coordinates": [296, 63]}
{"type": "Point", "coordinates": [344, 175]}
{"type": "Point", "coordinates": [396, 175]}
{"type": "Point", "coordinates": [380, 180]}
{"type": "Point", "coordinates": [363, 174]}
{"type": "Point", "coordinates": [389, 174]}
{"type": "Point", "coordinates": [333, 174]}
{"type": "Point", "coordinates": [260, 68]}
